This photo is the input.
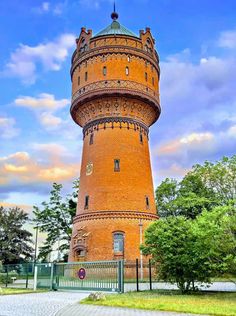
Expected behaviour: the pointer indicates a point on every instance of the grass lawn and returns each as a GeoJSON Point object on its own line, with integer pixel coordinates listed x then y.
{"type": "Point", "coordinates": [9, 291]}
{"type": "Point", "coordinates": [202, 303]}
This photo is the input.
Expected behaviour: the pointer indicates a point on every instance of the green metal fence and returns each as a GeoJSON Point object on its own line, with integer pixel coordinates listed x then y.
{"type": "Point", "coordinates": [17, 275]}
{"type": "Point", "coordinates": [95, 276]}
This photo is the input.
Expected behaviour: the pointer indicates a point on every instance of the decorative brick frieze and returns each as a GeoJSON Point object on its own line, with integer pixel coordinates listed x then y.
{"type": "Point", "coordinates": [108, 122]}
{"type": "Point", "coordinates": [115, 215]}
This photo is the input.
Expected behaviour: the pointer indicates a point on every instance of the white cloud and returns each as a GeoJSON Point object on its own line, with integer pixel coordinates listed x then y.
{"type": "Point", "coordinates": [53, 8]}
{"type": "Point", "coordinates": [45, 105]}
{"type": "Point", "coordinates": [7, 128]}
{"type": "Point", "coordinates": [45, 6]}
{"type": "Point", "coordinates": [47, 110]}
{"type": "Point", "coordinates": [52, 149]}
{"type": "Point", "coordinates": [50, 121]}
{"type": "Point", "coordinates": [44, 101]}
{"type": "Point", "coordinates": [227, 39]}
{"type": "Point", "coordinates": [94, 4]}
{"type": "Point", "coordinates": [24, 172]}
{"type": "Point", "coordinates": [25, 60]}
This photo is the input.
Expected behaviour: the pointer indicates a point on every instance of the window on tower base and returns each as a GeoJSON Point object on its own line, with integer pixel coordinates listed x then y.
{"type": "Point", "coordinates": [116, 165]}
{"type": "Point", "coordinates": [118, 243]}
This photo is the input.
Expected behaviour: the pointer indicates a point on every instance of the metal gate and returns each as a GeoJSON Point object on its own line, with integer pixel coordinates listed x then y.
{"type": "Point", "coordinates": [87, 276]}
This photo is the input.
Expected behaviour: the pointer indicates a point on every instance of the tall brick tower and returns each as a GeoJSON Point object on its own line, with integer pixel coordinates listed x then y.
{"type": "Point", "coordinates": [115, 99]}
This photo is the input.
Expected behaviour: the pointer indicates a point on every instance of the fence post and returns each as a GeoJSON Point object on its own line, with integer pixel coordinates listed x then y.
{"type": "Point", "coordinates": [51, 277]}
{"type": "Point", "coordinates": [7, 275]}
{"type": "Point", "coordinates": [27, 276]}
{"type": "Point", "coordinates": [121, 276]}
{"type": "Point", "coordinates": [150, 274]}
{"type": "Point", "coordinates": [137, 275]}
{"type": "Point", "coordinates": [35, 276]}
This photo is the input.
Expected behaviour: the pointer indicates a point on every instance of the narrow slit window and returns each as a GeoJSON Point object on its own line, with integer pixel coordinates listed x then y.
{"type": "Point", "coordinates": [86, 202]}
{"type": "Point", "coordinates": [91, 139]}
{"type": "Point", "coordinates": [146, 76]}
{"type": "Point", "coordinates": [78, 81]}
{"type": "Point", "coordinates": [147, 202]}
{"type": "Point", "coordinates": [86, 76]}
{"type": "Point", "coordinates": [153, 81]}
{"type": "Point", "coordinates": [104, 71]}
{"type": "Point", "coordinates": [141, 138]}
{"type": "Point", "coordinates": [127, 71]}
{"type": "Point", "coordinates": [128, 58]}
{"type": "Point", "coordinates": [117, 165]}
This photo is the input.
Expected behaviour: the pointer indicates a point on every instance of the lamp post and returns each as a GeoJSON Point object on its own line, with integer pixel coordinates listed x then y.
{"type": "Point", "coordinates": [35, 254]}
{"type": "Point", "coordinates": [141, 252]}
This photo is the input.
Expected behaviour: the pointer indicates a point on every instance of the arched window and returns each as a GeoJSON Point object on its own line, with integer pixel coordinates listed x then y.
{"type": "Point", "coordinates": [118, 242]}
{"type": "Point", "coordinates": [86, 202]}
{"type": "Point", "coordinates": [86, 76]}
{"type": "Point", "coordinates": [91, 139]}
{"type": "Point", "coordinates": [128, 58]}
{"type": "Point", "coordinates": [141, 138]}
{"type": "Point", "coordinates": [116, 165]}
{"type": "Point", "coordinates": [104, 71]}
{"type": "Point", "coordinates": [127, 71]}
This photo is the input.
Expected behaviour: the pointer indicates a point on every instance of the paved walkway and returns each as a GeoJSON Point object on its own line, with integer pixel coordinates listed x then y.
{"type": "Point", "coordinates": [37, 304]}
{"type": "Point", "coordinates": [88, 310]}
{"type": "Point", "coordinates": [216, 286]}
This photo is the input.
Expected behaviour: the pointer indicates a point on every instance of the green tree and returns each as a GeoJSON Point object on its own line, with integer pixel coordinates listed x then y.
{"type": "Point", "coordinates": [15, 241]}
{"type": "Point", "coordinates": [204, 187]}
{"type": "Point", "coordinates": [166, 195]}
{"type": "Point", "coordinates": [55, 218]}
{"type": "Point", "coordinates": [188, 251]}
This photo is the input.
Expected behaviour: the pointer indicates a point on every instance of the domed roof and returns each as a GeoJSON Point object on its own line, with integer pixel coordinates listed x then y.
{"type": "Point", "coordinates": [115, 28]}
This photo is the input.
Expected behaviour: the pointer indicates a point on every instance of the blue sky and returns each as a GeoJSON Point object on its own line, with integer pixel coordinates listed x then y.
{"type": "Point", "coordinates": [40, 144]}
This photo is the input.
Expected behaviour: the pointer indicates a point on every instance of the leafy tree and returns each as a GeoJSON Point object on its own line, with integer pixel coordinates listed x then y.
{"type": "Point", "coordinates": [15, 241]}
{"type": "Point", "coordinates": [188, 251]}
{"type": "Point", "coordinates": [220, 178]}
{"type": "Point", "coordinates": [204, 187]}
{"type": "Point", "coordinates": [55, 218]}
{"type": "Point", "coordinates": [166, 195]}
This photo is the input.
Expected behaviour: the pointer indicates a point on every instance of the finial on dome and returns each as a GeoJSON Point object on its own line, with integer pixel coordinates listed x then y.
{"type": "Point", "coordinates": [114, 14]}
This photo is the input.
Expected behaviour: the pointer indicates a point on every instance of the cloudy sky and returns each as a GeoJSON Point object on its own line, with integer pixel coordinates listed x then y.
{"type": "Point", "coordinates": [40, 144]}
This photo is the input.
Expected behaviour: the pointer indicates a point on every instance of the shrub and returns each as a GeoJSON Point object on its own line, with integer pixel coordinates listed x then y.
{"type": "Point", "coordinates": [4, 278]}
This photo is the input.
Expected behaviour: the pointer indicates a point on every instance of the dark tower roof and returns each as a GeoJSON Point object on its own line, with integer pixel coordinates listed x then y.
{"type": "Point", "coordinates": [115, 28]}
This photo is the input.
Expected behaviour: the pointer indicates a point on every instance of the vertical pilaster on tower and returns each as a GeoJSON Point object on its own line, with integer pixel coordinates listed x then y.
{"type": "Point", "coordinates": [115, 99]}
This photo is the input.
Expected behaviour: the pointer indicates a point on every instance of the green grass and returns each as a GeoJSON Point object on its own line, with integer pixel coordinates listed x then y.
{"type": "Point", "coordinates": [202, 303]}
{"type": "Point", "coordinates": [9, 291]}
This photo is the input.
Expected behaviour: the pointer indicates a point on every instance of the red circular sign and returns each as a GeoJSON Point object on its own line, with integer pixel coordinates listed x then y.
{"type": "Point", "coordinates": [81, 273]}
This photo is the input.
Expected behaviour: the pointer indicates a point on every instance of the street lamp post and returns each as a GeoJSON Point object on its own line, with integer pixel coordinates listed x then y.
{"type": "Point", "coordinates": [141, 252]}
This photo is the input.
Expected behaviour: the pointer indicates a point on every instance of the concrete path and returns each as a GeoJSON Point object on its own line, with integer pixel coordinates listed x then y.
{"type": "Point", "coordinates": [88, 310]}
{"type": "Point", "coordinates": [215, 286]}
{"type": "Point", "coordinates": [37, 304]}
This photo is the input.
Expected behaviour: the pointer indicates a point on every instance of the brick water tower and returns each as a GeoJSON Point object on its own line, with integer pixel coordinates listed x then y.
{"type": "Point", "coordinates": [115, 99]}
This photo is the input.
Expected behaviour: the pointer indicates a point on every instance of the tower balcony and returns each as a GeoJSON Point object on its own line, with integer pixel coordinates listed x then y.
{"type": "Point", "coordinates": [115, 88]}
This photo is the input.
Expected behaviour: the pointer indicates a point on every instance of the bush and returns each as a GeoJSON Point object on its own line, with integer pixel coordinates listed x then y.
{"type": "Point", "coordinates": [7, 279]}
